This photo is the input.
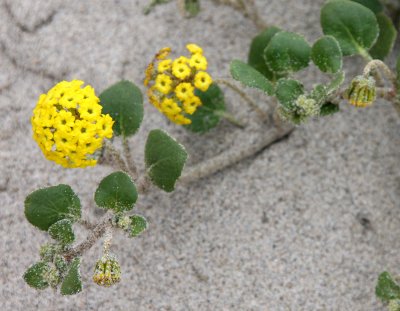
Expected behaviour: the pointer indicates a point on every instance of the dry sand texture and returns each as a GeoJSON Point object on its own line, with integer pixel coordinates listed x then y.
{"type": "Point", "coordinates": [304, 225]}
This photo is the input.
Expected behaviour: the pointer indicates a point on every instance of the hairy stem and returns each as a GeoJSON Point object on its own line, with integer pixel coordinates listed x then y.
{"type": "Point", "coordinates": [96, 233]}
{"type": "Point", "coordinates": [117, 157]}
{"type": "Point", "coordinates": [128, 156]}
{"type": "Point", "coordinates": [261, 113]}
{"type": "Point", "coordinates": [235, 154]}
{"type": "Point", "coordinates": [378, 64]}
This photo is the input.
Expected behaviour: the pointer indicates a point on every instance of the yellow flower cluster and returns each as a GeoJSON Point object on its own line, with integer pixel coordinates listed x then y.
{"type": "Point", "coordinates": [68, 125]}
{"type": "Point", "coordinates": [172, 82]}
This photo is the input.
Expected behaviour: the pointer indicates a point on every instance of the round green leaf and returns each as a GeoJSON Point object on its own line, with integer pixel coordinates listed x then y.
{"type": "Point", "coordinates": [353, 25]}
{"type": "Point", "coordinates": [165, 159]}
{"type": "Point", "coordinates": [327, 55]}
{"type": "Point", "coordinates": [250, 77]}
{"type": "Point", "coordinates": [117, 192]}
{"type": "Point", "coordinates": [72, 283]}
{"type": "Point", "coordinates": [374, 5]}
{"type": "Point", "coordinates": [386, 39]}
{"type": "Point", "coordinates": [62, 231]}
{"type": "Point", "coordinates": [34, 276]}
{"type": "Point", "coordinates": [123, 101]}
{"type": "Point", "coordinates": [45, 207]}
{"type": "Point", "coordinates": [287, 91]}
{"type": "Point", "coordinates": [287, 52]}
{"type": "Point", "coordinates": [207, 116]}
{"type": "Point", "coordinates": [386, 288]}
{"type": "Point", "coordinates": [138, 225]}
{"type": "Point", "coordinates": [328, 108]}
{"type": "Point", "coordinates": [256, 54]}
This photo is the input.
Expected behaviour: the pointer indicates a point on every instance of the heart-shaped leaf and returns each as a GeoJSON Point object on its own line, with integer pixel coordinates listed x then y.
{"type": "Point", "coordinates": [123, 101]}
{"type": "Point", "coordinates": [354, 26]}
{"type": "Point", "coordinates": [116, 192]}
{"type": "Point", "coordinates": [62, 231]}
{"type": "Point", "coordinates": [35, 275]}
{"type": "Point", "coordinates": [45, 207]}
{"type": "Point", "coordinates": [137, 226]}
{"type": "Point", "coordinates": [327, 55]}
{"type": "Point", "coordinates": [165, 159]}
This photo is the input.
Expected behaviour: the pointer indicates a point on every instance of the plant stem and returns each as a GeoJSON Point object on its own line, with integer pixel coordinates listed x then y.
{"type": "Point", "coordinates": [128, 156]}
{"type": "Point", "coordinates": [378, 64]}
{"type": "Point", "coordinates": [117, 157]}
{"type": "Point", "coordinates": [93, 236]}
{"type": "Point", "coordinates": [238, 152]}
{"type": "Point", "coordinates": [263, 115]}
{"type": "Point", "coordinates": [229, 117]}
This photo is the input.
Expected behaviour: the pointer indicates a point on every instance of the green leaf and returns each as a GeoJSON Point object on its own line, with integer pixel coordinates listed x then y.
{"type": "Point", "coordinates": [117, 192]}
{"type": "Point", "coordinates": [327, 55]}
{"type": "Point", "coordinates": [328, 109]}
{"type": "Point", "coordinates": [287, 52]}
{"type": "Point", "coordinates": [386, 39]}
{"type": "Point", "coordinates": [62, 231]}
{"type": "Point", "coordinates": [287, 91]}
{"type": "Point", "coordinates": [35, 275]}
{"type": "Point", "coordinates": [123, 101]}
{"type": "Point", "coordinates": [165, 159]}
{"type": "Point", "coordinates": [138, 225]}
{"type": "Point", "coordinates": [374, 5]}
{"type": "Point", "coordinates": [192, 7]}
{"type": "Point", "coordinates": [256, 54]}
{"type": "Point", "coordinates": [45, 207]}
{"type": "Point", "coordinates": [387, 289]}
{"type": "Point", "coordinates": [319, 93]}
{"type": "Point", "coordinates": [353, 25]}
{"type": "Point", "coordinates": [250, 77]}
{"type": "Point", "coordinates": [335, 83]}
{"type": "Point", "coordinates": [72, 283]}
{"type": "Point", "coordinates": [208, 115]}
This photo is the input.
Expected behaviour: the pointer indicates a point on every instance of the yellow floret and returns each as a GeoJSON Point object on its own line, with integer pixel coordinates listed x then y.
{"type": "Point", "coordinates": [184, 91]}
{"type": "Point", "coordinates": [202, 81]}
{"type": "Point", "coordinates": [163, 83]}
{"type": "Point", "coordinates": [163, 53]}
{"type": "Point", "coordinates": [169, 106]}
{"type": "Point", "coordinates": [181, 120]}
{"type": "Point", "coordinates": [198, 61]}
{"type": "Point", "coordinates": [164, 65]}
{"type": "Point", "coordinates": [194, 48]}
{"type": "Point", "coordinates": [68, 125]}
{"type": "Point", "coordinates": [190, 105]}
{"type": "Point", "coordinates": [181, 71]}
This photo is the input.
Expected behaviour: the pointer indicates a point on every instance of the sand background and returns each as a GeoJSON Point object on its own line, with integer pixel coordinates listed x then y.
{"type": "Point", "coordinates": [306, 224]}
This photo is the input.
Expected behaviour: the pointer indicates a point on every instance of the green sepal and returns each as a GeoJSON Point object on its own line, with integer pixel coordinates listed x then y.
{"type": "Point", "coordinates": [287, 52]}
{"type": "Point", "coordinates": [354, 26]}
{"type": "Point", "coordinates": [287, 91]}
{"type": "Point", "coordinates": [327, 55]}
{"type": "Point", "coordinates": [137, 226]}
{"type": "Point", "coordinates": [165, 159]}
{"type": "Point", "coordinates": [35, 275]}
{"type": "Point", "coordinates": [256, 54]}
{"type": "Point", "coordinates": [72, 283]}
{"type": "Point", "coordinates": [208, 115]}
{"type": "Point", "coordinates": [386, 39]}
{"type": "Point", "coordinates": [123, 101]}
{"type": "Point", "coordinates": [250, 77]}
{"type": "Point", "coordinates": [62, 232]}
{"type": "Point", "coordinates": [116, 192]}
{"type": "Point", "coordinates": [46, 206]}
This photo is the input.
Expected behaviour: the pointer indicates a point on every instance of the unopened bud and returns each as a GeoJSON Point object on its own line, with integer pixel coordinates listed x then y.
{"type": "Point", "coordinates": [362, 91]}
{"type": "Point", "coordinates": [107, 271]}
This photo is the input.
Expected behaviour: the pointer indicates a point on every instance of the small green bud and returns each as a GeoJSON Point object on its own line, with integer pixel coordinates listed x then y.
{"type": "Point", "coordinates": [306, 107]}
{"type": "Point", "coordinates": [107, 271]}
{"type": "Point", "coordinates": [60, 263]}
{"type": "Point", "coordinates": [48, 251]}
{"type": "Point", "coordinates": [361, 92]}
{"type": "Point", "coordinates": [124, 222]}
{"type": "Point", "coordinates": [53, 277]}
{"type": "Point", "coordinates": [394, 305]}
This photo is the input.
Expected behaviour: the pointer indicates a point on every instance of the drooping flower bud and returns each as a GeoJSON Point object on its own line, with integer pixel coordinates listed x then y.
{"type": "Point", "coordinates": [107, 271]}
{"type": "Point", "coordinates": [361, 92]}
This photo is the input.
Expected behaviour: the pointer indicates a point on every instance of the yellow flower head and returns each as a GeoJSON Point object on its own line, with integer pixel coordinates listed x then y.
{"type": "Point", "coordinates": [68, 124]}
{"type": "Point", "coordinates": [172, 88]}
{"type": "Point", "coordinates": [361, 92]}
